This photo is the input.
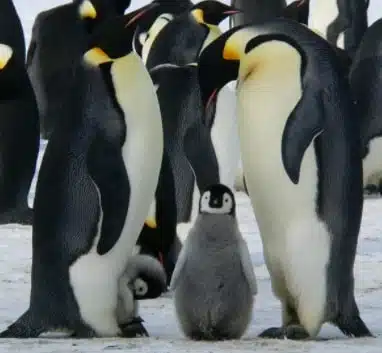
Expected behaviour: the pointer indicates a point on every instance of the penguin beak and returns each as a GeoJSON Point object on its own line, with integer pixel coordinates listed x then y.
{"type": "Point", "coordinates": [232, 11]}
{"type": "Point", "coordinates": [96, 57]}
{"type": "Point", "coordinates": [151, 223]}
{"type": "Point", "coordinates": [6, 53]}
{"type": "Point", "coordinates": [87, 10]}
{"type": "Point", "coordinates": [198, 15]}
{"type": "Point", "coordinates": [136, 15]}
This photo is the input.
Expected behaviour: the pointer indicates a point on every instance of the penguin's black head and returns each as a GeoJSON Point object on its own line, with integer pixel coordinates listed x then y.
{"type": "Point", "coordinates": [170, 7]}
{"type": "Point", "coordinates": [113, 38]}
{"type": "Point", "coordinates": [218, 65]}
{"type": "Point", "coordinates": [212, 12]}
{"type": "Point", "coordinates": [217, 199]}
{"type": "Point", "coordinates": [298, 10]}
{"type": "Point", "coordinates": [93, 12]}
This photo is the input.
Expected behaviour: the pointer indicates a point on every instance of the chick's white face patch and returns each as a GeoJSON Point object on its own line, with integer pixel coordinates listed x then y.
{"type": "Point", "coordinates": [140, 287]}
{"type": "Point", "coordinates": [218, 205]}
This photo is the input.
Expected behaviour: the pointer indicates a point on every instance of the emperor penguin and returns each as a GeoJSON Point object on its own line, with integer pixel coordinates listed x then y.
{"type": "Point", "coordinates": [144, 278]}
{"type": "Point", "coordinates": [183, 38]}
{"type": "Point", "coordinates": [20, 137]}
{"type": "Point", "coordinates": [366, 84]}
{"type": "Point", "coordinates": [11, 30]}
{"type": "Point", "coordinates": [291, 113]}
{"type": "Point", "coordinates": [94, 189]}
{"type": "Point", "coordinates": [214, 283]}
{"type": "Point", "coordinates": [59, 38]}
{"type": "Point", "coordinates": [256, 11]}
{"type": "Point", "coordinates": [343, 22]}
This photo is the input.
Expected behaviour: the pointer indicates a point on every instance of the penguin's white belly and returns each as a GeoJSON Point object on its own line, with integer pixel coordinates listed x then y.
{"type": "Point", "coordinates": [94, 278]}
{"type": "Point", "coordinates": [372, 164]}
{"type": "Point", "coordinates": [296, 243]}
{"type": "Point", "coordinates": [225, 138]}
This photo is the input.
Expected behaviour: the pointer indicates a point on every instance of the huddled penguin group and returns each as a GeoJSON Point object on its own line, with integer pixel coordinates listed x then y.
{"type": "Point", "coordinates": [135, 194]}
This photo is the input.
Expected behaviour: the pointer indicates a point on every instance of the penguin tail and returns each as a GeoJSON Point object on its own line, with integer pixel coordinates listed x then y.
{"type": "Point", "coordinates": [24, 327]}
{"type": "Point", "coordinates": [353, 327]}
{"type": "Point", "coordinates": [22, 216]}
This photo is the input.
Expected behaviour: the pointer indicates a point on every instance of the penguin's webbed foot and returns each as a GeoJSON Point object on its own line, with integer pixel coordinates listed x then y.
{"type": "Point", "coordinates": [292, 332]}
{"type": "Point", "coordinates": [134, 328]}
{"type": "Point", "coordinates": [296, 332]}
{"type": "Point", "coordinates": [83, 332]}
{"type": "Point", "coordinates": [273, 333]}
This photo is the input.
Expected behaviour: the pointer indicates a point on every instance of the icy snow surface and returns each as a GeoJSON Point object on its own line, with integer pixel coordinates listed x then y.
{"type": "Point", "coordinates": [159, 314]}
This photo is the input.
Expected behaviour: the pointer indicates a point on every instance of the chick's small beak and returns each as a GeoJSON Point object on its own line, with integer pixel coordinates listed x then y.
{"type": "Point", "coordinates": [96, 57]}
{"type": "Point", "coordinates": [141, 12]}
{"type": "Point", "coordinates": [87, 10]}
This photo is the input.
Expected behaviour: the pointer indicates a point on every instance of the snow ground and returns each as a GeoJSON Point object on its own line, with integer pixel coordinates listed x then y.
{"type": "Point", "coordinates": [15, 262]}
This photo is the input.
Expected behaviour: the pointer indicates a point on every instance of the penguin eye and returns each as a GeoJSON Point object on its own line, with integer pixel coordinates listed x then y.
{"type": "Point", "coordinates": [140, 287]}
{"type": "Point", "coordinates": [226, 200]}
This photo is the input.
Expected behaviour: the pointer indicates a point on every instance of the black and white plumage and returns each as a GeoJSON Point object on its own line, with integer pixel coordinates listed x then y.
{"type": "Point", "coordinates": [144, 278]}
{"type": "Point", "coordinates": [213, 280]}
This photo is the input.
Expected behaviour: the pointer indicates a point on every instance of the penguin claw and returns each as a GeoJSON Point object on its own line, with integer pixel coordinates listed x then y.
{"type": "Point", "coordinates": [134, 328]}
{"type": "Point", "coordinates": [296, 332]}
{"type": "Point", "coordinates": [273, 333]}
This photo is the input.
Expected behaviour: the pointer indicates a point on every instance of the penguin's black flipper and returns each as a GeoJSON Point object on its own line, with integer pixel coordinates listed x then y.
{"type": "Point", "coordinates": [201, 155]}
{"type": "Point", "coordinates": [108, 172]}
{"type": "Point", "coordinates": [302, 126]}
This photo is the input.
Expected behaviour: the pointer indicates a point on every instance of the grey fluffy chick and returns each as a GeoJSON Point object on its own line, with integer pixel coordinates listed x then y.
{"type": "Point", "coordinates": [213, 279]}
{"type": "Point", "coordinates": [144, 278]}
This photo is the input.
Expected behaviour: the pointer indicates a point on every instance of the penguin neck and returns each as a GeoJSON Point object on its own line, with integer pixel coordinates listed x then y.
{"type": "Point", "coordinates": [213, 33]}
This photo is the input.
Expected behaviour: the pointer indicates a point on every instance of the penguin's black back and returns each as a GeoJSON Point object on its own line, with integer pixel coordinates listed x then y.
{"type": "Point", "coordinates": [179, 42]}
{"type": "Point", "coordinates": [11, 30]}
{"type": "Point", "coordinates": [186, 139]}
{"type": "Point", "coordinates": [57, 44]}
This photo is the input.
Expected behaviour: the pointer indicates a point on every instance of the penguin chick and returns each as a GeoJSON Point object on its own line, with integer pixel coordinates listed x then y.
{"type": "Point", "coordinates": [144, 278]}
{"type": "Point", "coordinates": [213, 279]}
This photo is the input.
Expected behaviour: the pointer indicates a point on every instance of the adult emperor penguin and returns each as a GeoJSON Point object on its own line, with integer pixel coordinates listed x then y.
{"type": "Point", "coordinates": [309, 248]}
{"type": "Point", "coordinates": [20, 137]}
{"type": "Point", "coordinates": [11, 30]}
{"type": "Point", "coordinates": [256, 11]}
{"type": "Point", "coordinates": [214, 269]}
{"type": "Point", "coordinates": [182, 39]}
{"type": "Point", "coordinates": [102, 179]}
{"type": "Point", "coordinates": [365, 80]}
{"type": "Point", "coordinates": [343, 22]}
{"type": "Point", "coordinates": [58, 41]}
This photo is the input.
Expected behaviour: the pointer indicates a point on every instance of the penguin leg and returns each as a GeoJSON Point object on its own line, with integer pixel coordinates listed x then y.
{"type": "Point", "coordinates": [291, 328]}
{"type": "Point", "coordinates": [134, 328]}
{"type": "Point", "coordinates": [18, 216]}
